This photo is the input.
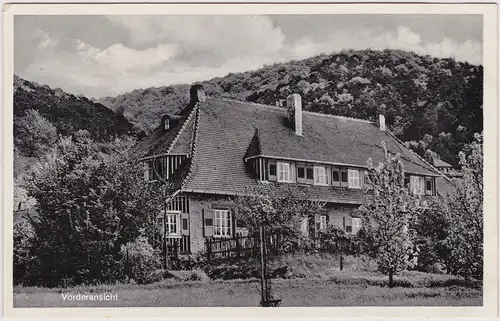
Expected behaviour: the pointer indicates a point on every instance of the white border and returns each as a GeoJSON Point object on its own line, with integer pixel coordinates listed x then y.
{"type": "Point", "coordinates": [490, 40]}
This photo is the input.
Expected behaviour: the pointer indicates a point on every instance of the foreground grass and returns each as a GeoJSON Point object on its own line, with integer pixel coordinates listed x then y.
{"type": "Point", "coordinates": [346, 289]}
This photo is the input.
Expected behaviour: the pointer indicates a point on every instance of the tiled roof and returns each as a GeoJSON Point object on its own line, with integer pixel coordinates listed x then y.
{"type": "Point", "coordinates": [229, 131]}
{"type": "Point", "coordinates": [439, 163]}
{"type": "Point", "coordinates": [225, 132]}
{"type": "Point", "coordinates": [159, 142]}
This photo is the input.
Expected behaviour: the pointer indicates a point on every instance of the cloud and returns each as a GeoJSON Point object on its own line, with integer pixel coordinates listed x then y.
{"type": "Point", "coordinates": [164, 50]}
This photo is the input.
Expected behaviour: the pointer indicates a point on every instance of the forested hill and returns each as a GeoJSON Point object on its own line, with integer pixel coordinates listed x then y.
{"type": "Point", "coordinates": [433, 104]}
{"type": "Point", "coordinates": [68, 113]}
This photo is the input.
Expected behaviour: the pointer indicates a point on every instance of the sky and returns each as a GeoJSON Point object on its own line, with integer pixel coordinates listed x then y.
{"type": "Point", "coordinates": [107, 55]}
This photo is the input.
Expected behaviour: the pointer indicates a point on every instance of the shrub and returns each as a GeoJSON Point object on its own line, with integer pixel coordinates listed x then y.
{"type": "Point", "coordinates": [25, 268]}
{"type": "Point", "coordinates": [139, 261]}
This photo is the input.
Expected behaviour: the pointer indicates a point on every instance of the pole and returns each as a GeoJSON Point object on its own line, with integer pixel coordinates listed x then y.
{"type": "Point", "coordinates": [262, 273]}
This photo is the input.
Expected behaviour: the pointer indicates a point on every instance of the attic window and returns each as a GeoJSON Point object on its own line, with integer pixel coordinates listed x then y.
{"type": "Point", "coordinates": [166, 123]}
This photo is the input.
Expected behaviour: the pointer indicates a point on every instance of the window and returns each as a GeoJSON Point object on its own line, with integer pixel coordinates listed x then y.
{"type": "Point", "coordinates": [348, 224]}
{"type": "Point", "coordinates": [310, 173]}
{"type": "Point", "coordinates": [417, 185]}
{"type": "Point", "coordinates": [222, 223]}
{"type": "Point", "coordinates": [354, 178]}
{"type": "Point", "coordinates": [343, 177]}
{"type": "Point", "coordinates": [172, 224]}
{"type": "Point", "coordinates": [428, 186]}
{"type": "Point", "coordinates": [322, 222]}
{"type": "Point", "coordinates": [356, 224]}
{"type": "Point", "coordinates": [320, 175]}
{"type": "Point", "coordinates": [272, 169]}
{"type": "Point", "coordinates": [335, 176]}
{"type": "Point", "coordinates": [301, 173]}
{"type": "Point", "coordinates": [284, 172]}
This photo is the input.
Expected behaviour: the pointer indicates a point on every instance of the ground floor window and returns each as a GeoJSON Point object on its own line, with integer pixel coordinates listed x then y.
{"type": "Point", "coordinates": [173, 224]}
{"type": "Point", "coordinates": [222, 223]}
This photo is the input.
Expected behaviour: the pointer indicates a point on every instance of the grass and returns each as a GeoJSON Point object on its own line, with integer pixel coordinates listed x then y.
{"type": "Point", "coordinates": [343, 289]}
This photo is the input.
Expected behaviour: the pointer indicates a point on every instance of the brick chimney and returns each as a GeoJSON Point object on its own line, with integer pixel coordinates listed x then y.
{"type": "Point", "coordinates": [294, 112]}
{"type": "Point", "coordinates": [381, 121]}
{"type": "Point", "coordinates": [197, 94]}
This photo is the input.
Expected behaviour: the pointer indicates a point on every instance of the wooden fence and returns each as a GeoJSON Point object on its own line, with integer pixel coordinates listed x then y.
{"type": "Point", "coordinates": [244, 246]}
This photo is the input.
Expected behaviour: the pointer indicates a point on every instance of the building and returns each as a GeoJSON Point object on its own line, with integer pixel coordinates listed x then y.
{"type": "Point", "coordinates": [213, 148]}
{"type": "Point", "coordinates": [445, 168]}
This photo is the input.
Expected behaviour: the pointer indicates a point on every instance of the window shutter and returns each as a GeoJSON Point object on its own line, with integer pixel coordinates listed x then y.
{"type": "Point", "coordinates": [293, 172]}
{"type": "Point", "coordinates": [361, 178]}
{"type": "Point", "coordinates": [208, 222]}
{"type": "Point", "coordinates": [184, 224]}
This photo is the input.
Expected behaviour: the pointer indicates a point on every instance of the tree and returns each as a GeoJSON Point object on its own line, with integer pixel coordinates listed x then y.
{"type": "Point", "coordinates": [88, 204]}
{"type": "Point", "coordinates": [388, 212]}
{"type": "Point", "coordinates": [280, 208]}
{"type": "Point", "coordinates": [464, 211]}
{"type": "Point", "coordinates": [33, 134]}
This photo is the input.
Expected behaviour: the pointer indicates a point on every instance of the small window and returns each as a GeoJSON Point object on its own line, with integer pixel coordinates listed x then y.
{"type": "Point", "coordinates": [428, 186]}
{"type": "Point", "coordinates": [284, 172]}
{"type": "Point", "coordinates": [222, 223]}
{"type": "Point", "coordinates": [320, 175]}
{"type": "Point", "coordinates": [356, 224]}
{"type": "Point", "coordinates": [167, 123]}
{"type": "Point", "coordinates": [344, 176]}
{"type": "Point", "coordinates": [301, 172]}
{"type": "Point", "coordinates": [173, 224]}
{"type": "Point", "coordinates": [322, 222]}
{"type": "Point", "coordinates": [335, 176]}
{"type": "Point", "coordinates": [417, 185]}
{"type": "Point", "coordinates": [185, 224]}
{"type": "Point", "coordinates": [310, 173]}
{"type": "Point", "coordinates": [348, 228]}
{"type": "Point", "coordinates": [354, 178]}
{"type": "Point", "coordinates": [272, 169]}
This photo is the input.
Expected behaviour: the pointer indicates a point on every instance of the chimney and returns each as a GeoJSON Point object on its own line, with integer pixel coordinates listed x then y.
{"type": "Point", "coordinates": [294, 112]}
{"type": "Point", "coordinates": [381, 121]}
{"type": "Point", "coordinates": [197, 94]}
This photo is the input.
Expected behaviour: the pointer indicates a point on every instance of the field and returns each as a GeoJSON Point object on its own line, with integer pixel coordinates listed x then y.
{"type": "Point", "coordinates": [343, 289]}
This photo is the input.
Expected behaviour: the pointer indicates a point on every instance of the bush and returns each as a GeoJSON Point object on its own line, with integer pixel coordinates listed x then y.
{"type": "Point", "coordinates": [25, 268]}
{"type": "Point", "coordinates": [140, 261]}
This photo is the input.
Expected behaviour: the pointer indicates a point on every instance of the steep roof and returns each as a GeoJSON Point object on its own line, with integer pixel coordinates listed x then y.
{"type": "Point", "coordinates": [439, 163]}
{"type": "Point", "coordinates": [161, 142]}
{"type": "Point", "coordinates": [220, 134]}
{"type": "Point", "coordinates": [228, 131]}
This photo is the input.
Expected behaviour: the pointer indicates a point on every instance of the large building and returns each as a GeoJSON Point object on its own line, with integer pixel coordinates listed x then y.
{"type": "Point", "coordinates": [213, 148]}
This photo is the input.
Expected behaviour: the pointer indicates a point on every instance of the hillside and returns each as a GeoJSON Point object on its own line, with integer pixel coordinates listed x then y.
{"type": "Point", "coordinates": [429, 102]}
{"type": "Point", "coordinates": [67, 112]}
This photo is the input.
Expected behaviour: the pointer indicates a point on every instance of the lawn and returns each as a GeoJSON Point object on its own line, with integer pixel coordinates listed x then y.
{"type": "Point", "coordinates": [342, 289]}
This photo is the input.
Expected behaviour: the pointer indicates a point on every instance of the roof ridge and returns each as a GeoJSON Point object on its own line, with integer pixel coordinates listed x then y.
{"type": "Point", "coordinates": [184, 125]}
{"type": "Point", "coordinates": [303, 111]}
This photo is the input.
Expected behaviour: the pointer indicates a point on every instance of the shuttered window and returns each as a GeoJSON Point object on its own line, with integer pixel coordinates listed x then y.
{"type": "Point", "coordinates": [222, 223]}
{"type": "Point", "coordinates": [417, 185]}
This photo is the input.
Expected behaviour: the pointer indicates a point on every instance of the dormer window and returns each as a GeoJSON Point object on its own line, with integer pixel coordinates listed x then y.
{"type": "Point", "coordinates": [166, 122]}
{"type": "Point", "coordinates": [284, 172]}
{"type": "Point", "coordinates": [321, 176]}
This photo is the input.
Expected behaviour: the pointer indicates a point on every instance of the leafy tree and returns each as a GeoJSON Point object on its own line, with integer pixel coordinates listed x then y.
{"type": "Point", "coordinates": [279, 208]}
{"type": "Point", "coordinates": [388, 211]}
{"type": "Point", "coordinates": [465, 214]}
{"type": "Point", "coordinates": [34, 135]}
{"type": "Point", "coordinates": [88, 203]}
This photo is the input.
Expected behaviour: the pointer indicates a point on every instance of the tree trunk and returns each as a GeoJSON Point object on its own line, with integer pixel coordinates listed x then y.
{"type": "Point", "coordinates": [391, 281]}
